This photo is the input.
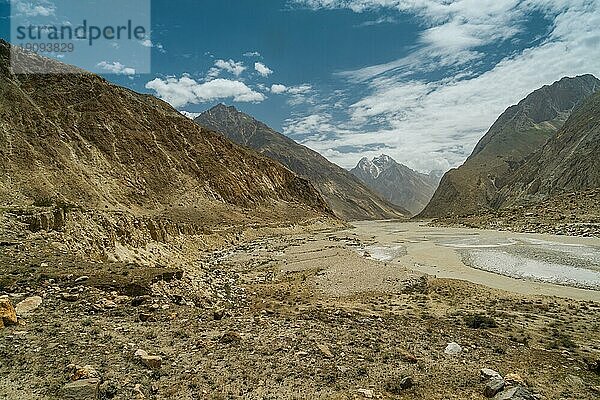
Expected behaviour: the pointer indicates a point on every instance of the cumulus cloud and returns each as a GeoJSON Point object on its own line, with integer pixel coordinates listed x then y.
{"type": "Point", "coordinates": [116, 68]}
{"type": "Point", "coordinates": [252, 54]}
{"type": "Point", "coordinates": [233, 67]}
{"type": "Point", "coordinates": [182, 91]}
{"type": "Point", "coordinates": [278, 89]}
{"type": "Point", "coordinates": [262, 69]}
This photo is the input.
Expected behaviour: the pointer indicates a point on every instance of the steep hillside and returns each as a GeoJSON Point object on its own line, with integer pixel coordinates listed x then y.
{"type": "Point", "coordinates": [568, 162]}
{"type": "Point", "coordinates": [520, 131]}
{"type": "Point", "coordinates": [397, 183]}
{"type": "Point", "coordinates": [349, 198]}
{"type": "Point", "coordinates": [76, 139]}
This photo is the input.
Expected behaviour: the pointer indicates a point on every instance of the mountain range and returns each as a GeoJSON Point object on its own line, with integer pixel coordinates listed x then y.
{"type": "Point", "coordinates": [345, 194]}
{"type": "Point", "coordinates": [517, 134]}
{"type": "Point", "coordinates": [397, 183]}
{"type": "Point", "coordinates": [76, 139]}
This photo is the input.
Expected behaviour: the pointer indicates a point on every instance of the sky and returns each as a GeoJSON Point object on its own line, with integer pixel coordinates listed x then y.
{"type": "Point", "coordinates": [419, 80]}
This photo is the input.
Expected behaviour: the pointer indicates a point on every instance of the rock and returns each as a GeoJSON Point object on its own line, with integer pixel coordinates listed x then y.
{"type": "Point", "coordinates": [493, 387]}
{"type": "Point", "coordinates": [230, 337]}
{"type": "Point", "coordinates": [408, 357]}
{"type": "Point", "coordinates": [453, 349]}
{"type": "Point", "coordinates": [140, 353]}
{"type": "Point", "coordinates": [83, 389]}
{"type": "Point", "coordinates": [28, 305]}
{"type": "Point", "coordinates": [516, 393]}
{"type": "Point", "coordinates": [398, 385]}
{"type": "Point", "coordinates": [152, 362]}
{"type": "Point", "coordinates": [69, 296]}
{"type": "Point", "coordinates": [487, 373]}
{"type": "Point", "coordinates": [82, 279]}
{"type": "Point", "coordinates": [367, 393]}
{"type": "Point", "coordinates": [85, 372]}
{"type": "Point", "coordinates": [514, 379]}
{"type": "Point", "coordinates": [325, 350]}
{"type": "Point", "coordinates": [8, 316]}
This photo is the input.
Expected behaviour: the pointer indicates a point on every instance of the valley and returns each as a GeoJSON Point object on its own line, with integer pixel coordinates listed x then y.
{"type": "Point", "coordinates": [377, 310]}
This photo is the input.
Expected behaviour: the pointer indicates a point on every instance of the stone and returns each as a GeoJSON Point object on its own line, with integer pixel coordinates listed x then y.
{"type": "Point", "coordinates": [82, 279]}
{"type": "Point", "coordinates": [408, 357]}
{"type": "Point", "coordinates": [453, 349]}
{"type": "Point", "coordinates": [398, 384]}
{"type": "Point", "coordinates": [514, 379]}
{"type": "Point", "coordinates": [487, 373]}
{"type": "Point", "coordinates": [28, 305]}
{"type": "Point", "coordinates": [515, 393]}
{"type": "Point", "coordinates": [85, 372]}
{"type": "Point", "coordinates": [83, 389]}
{"type": "Point", "coordinates": [493, 387]}
{"type": "Point", "coordinates": [230, 337]}
{"type": "Point", "coordinates": [72, 297]}
{"type": "Point", "coordinates": [140, 353]}
{"type": "Point", "coordinates": [8, 316]}
{"type": "Point", "coordinates": [152, 362]}
{"type": "Point", "coordinates": [367, 393]}
{"type": "Point", "coordinates": [325, 350]}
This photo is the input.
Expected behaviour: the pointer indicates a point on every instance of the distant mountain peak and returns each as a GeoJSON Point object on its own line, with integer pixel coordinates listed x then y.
{"type": "Point", "coordinates": [396, 182]}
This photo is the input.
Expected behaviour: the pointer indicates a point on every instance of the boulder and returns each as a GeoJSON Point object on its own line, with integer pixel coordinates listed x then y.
{"type": "Point", "coordinates": [83, 389]}
{"type": "Point", "coordinates": [493, 387]}
{"type": "Point", "coordinates": [453, 349]}
{"type": "Point", "coordinates": [515, 393]}
{"type": "Point", "coordinates": [8, 316]}
{"type": "Point", "coordinates": [152, 362]}
{"type": "Point", "coordinates": [28, 305]}
{"type": "Point", "coordinates": [487, 373]}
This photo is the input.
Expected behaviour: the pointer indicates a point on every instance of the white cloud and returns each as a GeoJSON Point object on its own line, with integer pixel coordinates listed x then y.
{"type": "Point", "coordinates": [150, 43]}
{"type": "Point", "coordinates": [233, 67]}
{"type": "Point", "coordinates": [35, 8]}
{"type": "Point", "coordinates": [116, 68]}
{"type": "Point", "coordinates": [278, 89]}
{"type": "Point", "coordinates": [182, 91]}
{"type": "Point", "coordinates": [435, 124]}
{"type": "Point", "coordinates": [252, 54]}
{"type": "Point", "coordinates": [262, 69]}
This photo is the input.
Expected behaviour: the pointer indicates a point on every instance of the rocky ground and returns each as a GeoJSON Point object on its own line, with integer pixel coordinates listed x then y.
{"type": "Point", "coordinates": [279, 317]}
{"type": "Point", "coordinates": [571, 214]}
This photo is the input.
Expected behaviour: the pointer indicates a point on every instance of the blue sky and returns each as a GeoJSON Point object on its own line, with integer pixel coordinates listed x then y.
{"type": "Point", "coordinates": [420, 80]}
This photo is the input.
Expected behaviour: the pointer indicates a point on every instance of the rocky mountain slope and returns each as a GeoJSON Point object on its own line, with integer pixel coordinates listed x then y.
{"type": "Point", "coordinates": [568, 162]}
{"type": "Point", "coordinates": [517, 134]}
{"type": "Point", "coordinates": [397, 183]}
{"type": "Point", "coordinates": [79, 141]}
{"type": "Point", "coordinates": [349, 198]}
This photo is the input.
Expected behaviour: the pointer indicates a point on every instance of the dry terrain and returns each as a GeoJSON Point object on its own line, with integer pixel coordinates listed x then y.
{"type": "Point", "coordinates": [303, 312]}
